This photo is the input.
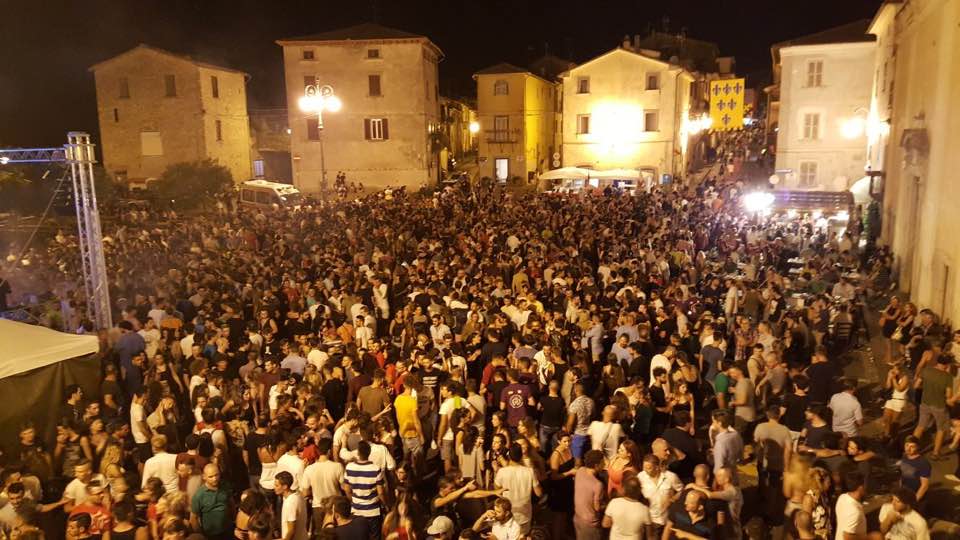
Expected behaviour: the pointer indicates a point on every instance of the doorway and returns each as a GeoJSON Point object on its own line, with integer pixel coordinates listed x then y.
{"type": "Point", "coordinates": [501, 169]}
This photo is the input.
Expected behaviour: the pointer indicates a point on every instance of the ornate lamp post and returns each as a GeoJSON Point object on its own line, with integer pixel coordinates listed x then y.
{"type": "Point", "coordinates": [316, 99]}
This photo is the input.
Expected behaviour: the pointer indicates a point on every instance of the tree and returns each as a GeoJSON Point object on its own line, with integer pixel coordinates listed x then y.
{"type": "Point", "coordinates": [192, 184]}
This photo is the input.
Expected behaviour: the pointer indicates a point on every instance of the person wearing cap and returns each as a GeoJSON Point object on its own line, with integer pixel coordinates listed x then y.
{"type": "Point", "coordinates": [441, 528]}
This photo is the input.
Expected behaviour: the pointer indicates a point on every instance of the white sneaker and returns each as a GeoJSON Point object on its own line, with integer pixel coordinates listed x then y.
{"type": "Point", "coordinates": [952, 478]}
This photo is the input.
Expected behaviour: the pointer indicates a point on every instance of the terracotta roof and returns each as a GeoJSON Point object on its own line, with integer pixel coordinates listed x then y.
{"type": "Point", "coordinates": [359, 32]}
{"type": "Point", "coordinates": [502, 67]}
{"type": "Point", "coordinates": [854, 32]}
{"type": "Point", "coordinates": [194, 61]}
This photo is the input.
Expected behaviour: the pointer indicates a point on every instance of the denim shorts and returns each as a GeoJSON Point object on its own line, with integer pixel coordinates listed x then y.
{"type": "Point", "coordinates": [579, 445]}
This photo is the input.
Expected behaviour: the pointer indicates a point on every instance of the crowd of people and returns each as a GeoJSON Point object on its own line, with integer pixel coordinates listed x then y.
{"type": "Point", "coordinates": [481, 364]}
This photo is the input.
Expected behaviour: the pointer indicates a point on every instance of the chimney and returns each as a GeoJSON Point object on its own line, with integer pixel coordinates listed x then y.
{"type": "Point", "coordinates": [626, 43]}
{"type": "Point", "coordinates": [636, 42]}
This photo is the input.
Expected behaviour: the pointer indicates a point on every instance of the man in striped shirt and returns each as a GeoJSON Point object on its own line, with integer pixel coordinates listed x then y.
{"type": "Point", "coordinates": [363, 482]}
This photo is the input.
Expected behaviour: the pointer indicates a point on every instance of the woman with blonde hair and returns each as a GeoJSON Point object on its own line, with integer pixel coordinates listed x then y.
{"type": "Point", "coordinates": [816, 502]}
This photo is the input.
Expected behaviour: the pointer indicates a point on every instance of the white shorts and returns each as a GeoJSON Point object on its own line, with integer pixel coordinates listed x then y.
{"type": "Point", "coordinates": [895, 404]}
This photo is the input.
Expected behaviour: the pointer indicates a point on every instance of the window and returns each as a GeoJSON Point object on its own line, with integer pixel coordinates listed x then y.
{"type": "Point", "coordinates": [215, 86]}
{"type": "Point", "coordinates": [116, 115]}
{"type": "Point", "coordinates": [811, 126]}
{"type": "Point", "coordinates": [815, 73]}
{"type": "Point", "coordinates": [583, 124]}
{"type": "Point", "coordinates": [309, 80]}
{"type": "Point", "coordinates": [651, 120]}
{"type": "Point", "coordinates": [375, 129]}
{"type": "Point", "coordinates": [170, 85]}
{"type": "Point", "coordinates": [653, 81]}
{"type": "Point", "coordinates": [124, 88]}
{"type": "Point", "coordinates": [501, 128]}
{"type": "Point", "coordinates": [150, 143]}
{"type": "Point", "coordinates": [583, 85]}
{"type": "Point", "coordinates": [308, 54]}
{"type": "Point", "coordinates": [313, 129]}
{"type": "Point", "coordinates": [219, 128]}
{"type": "Point", "coordinates": [373, 53]}
{"type": "Point", "coordinates": [501, 169]}
{"type": "Point", "coordinates": [501, 88]}
{"type": "Point", "coordinates": [258, 168]}
{"type": "Point", "coordinates": [808, 173]}
{"type": "Point", "coordinates": [373, 85]}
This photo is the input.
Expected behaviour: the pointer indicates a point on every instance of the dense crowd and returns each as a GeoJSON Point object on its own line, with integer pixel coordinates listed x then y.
{"type": "Point", "coordinates": [477, 362]}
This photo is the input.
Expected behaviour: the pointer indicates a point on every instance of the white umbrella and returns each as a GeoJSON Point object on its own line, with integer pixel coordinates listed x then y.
{"type": "Point", "coordinates": [565, 173]}
{"type": "Point", "coordinates": [617, 174]}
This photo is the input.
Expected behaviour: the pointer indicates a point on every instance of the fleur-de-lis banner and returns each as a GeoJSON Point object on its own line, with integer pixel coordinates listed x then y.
{"type": "Point", "coordinates": [726, 104]}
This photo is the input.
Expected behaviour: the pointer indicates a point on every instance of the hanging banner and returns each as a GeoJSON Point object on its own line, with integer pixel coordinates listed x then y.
{"type": "Point", "coordinates": [726, 104]}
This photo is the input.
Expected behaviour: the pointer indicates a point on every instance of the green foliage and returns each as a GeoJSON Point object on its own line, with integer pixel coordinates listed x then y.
{"type": "Point", "coordinates": [188, 185]}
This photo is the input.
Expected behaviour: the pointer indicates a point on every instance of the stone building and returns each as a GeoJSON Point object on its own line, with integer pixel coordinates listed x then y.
{"type": "Point", "coordinates": [384, 134]}
{"type": "Point", "coordinates": [157, 108]}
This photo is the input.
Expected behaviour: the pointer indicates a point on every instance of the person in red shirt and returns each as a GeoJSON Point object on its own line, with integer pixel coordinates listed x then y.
{"type": "Point", "coordinates": [101, 520]}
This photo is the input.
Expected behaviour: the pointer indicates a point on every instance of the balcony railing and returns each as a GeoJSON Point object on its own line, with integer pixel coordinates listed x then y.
{"type": "Point", "coordinates": [502, 135]}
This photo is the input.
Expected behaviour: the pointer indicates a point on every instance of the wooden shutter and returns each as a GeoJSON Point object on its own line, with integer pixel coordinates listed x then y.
{"type": "Point", "coordinates": [366, 128]}
{"type": "Point", "coordinates": [313, 130]}
{"type": "Point", "coordinates": [386, 133]}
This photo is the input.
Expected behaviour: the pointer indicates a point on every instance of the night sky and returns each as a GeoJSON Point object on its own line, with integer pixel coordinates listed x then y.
{"type": "Point", "coordinates": [46, 90]}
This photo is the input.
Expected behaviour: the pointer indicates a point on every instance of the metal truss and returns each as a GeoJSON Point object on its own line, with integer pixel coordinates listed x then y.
{"type": "Point", "coordinates": [78, 155]}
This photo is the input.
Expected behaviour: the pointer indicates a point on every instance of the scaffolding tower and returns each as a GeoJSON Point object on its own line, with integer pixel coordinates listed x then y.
{"type": "Point", "coordinates": [78, 155]}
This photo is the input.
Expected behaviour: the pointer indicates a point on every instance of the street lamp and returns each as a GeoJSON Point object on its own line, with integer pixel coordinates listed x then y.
{"type": "Point", "coordinates": [316, 99]}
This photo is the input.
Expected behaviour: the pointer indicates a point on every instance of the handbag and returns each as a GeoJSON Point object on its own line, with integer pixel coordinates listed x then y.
{"type": "Point", "coordinates": [897, 334]}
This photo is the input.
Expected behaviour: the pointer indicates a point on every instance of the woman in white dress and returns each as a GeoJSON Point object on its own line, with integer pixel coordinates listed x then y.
{"type": "Point", "coordinates": [897, 384]}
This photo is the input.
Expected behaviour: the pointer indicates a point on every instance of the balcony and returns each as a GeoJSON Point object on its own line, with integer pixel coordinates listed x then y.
{"type": "Point", "coordinates": [502, 136]}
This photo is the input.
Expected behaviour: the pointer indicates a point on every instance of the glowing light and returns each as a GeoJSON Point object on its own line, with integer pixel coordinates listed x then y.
{"type": "Point", "coordinates": [308, 103]}
{"type": "Point", "coordinates": [852, 128]}
{"type": "Point", "coordinates": [792, 213]}
{"type": "Point", "coordinates": [758, 201]}
{"type": "Point", "coordinates": [817, 214]}
{"type": "Point", "coordinates": [4, 160]}
{"type": "Point", "coordinates": [474, 127]}
{"type": "Point", "coordinates": [332, 103]}
{"type": "Point", "coordinates": [843, 215]}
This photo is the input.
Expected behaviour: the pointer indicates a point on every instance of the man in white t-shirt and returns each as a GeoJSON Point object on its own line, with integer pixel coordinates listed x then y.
{"type": "Point", "coordinates": [851, 521]}
{"type": "Point", "coordinates": [293, 510]}
{"type": "Point", "coordinates": [899, 519]}
{"type": "Point", "coordinates": [664, 360]}
{"type": "Point", "coordinates": [162, 465]}
{"type": "Point", "coordinates": [605, 435]}
{"type": "Point", "coordinates": [138, 425]}
{"type": "Point", "coordinates": [322, 479]}
{"type": "Point", "coordinates": [290, 462]}
{"type": "Point", "coordinates": [520, 484]}
{"type": "Point", "coordinates": [76, 491]}
{"type": "Point", "coordinates": [626, 516]}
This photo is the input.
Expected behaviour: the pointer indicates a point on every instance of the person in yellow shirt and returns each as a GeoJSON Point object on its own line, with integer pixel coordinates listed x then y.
{"type": "Point", "coordinates": [405, 406]}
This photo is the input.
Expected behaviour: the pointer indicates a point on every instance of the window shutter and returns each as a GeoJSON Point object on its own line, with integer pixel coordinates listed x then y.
{"type": "Point", "coordinates": [366, 128]}
{"type": "Point", "coordinates": [386, 133]}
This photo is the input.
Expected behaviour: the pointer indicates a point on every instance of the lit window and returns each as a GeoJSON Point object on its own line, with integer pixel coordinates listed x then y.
{"type": "Point", "coordinates": [258, 168]}
{"type": "Point", "coordinates": [375, 129]}
{"type": "Point", "coordinates": [501, 88]}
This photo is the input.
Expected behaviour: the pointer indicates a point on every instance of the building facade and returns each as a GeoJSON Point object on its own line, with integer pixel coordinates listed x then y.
{"type": "Point", "coordinates": [626, 110]}
{"type": "Point", "coordinates": [157, 108]}
{"type": "Point", "coordinates": [921, 198]}
{"type": "Point", "coordinates": [386, 132]}
{"type": "Point", "coordinates": [824, 100]}
{"type": "Point", "coordinates": [518, 114]}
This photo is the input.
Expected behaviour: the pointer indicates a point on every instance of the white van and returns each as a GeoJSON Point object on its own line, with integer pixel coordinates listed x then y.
{"type": "Point", "coordinates": [264, 194]}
